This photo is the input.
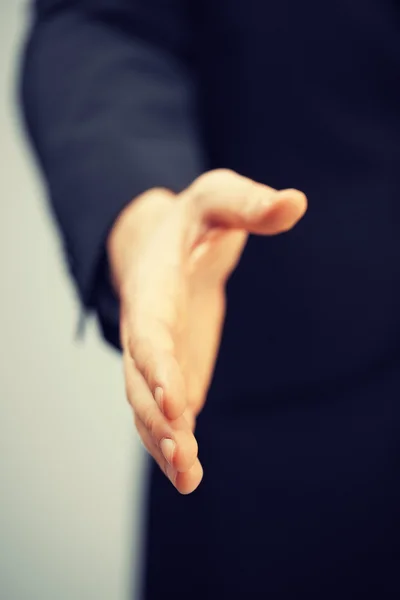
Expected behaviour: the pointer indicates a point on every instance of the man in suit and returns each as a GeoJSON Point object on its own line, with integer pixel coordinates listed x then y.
{"type": "Point", "coordinates": [175, 137]}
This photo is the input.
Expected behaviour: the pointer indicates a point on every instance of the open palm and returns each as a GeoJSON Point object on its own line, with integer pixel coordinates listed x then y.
{"type": "Point", "coordinates": [173, 307]}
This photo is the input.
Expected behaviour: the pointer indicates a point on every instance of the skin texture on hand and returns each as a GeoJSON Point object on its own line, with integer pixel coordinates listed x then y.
{"type": "Point", "coordinates": [170, 257]}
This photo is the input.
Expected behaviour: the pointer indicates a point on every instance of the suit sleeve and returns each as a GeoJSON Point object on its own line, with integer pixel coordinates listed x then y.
{"type": "Point", "coordinates": [109, 102]}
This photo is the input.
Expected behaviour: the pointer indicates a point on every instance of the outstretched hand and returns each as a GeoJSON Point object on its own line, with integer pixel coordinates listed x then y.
{"type": "Point", "coordinates": [171, 257]}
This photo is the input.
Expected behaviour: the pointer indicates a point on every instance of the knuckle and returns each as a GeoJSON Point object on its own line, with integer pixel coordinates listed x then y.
{"type": "Point", "coordinates": [146, 369]}
{"type": "Point", "coordinates": [131, 346]}
{"type": "Point", "coordinates": [150, 420]}
{"type": "Point", "coordinates": [212, 179]}
{"type": "Point", "coordinates": [142, 356]}
{"type": "Point", "coordinates": [194, 398]}
{"type": "Point", "coordinates": [219, 177]}
{"type": "Point", "coordinates": [222, 173]}
{"type": "Point", "coordinates": [128, 391]}
{"type": "Point", "coordinates": [141, 432]}
{"type": "Point", "coordinates": [128, 395]}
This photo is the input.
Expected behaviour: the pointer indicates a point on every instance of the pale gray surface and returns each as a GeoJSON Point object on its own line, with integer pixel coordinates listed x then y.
{"type": "Point", "coordinates": [68, 454]}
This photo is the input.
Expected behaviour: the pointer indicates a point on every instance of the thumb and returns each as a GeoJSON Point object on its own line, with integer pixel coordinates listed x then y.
{"type": "Point", "coordinates": [226, 199]}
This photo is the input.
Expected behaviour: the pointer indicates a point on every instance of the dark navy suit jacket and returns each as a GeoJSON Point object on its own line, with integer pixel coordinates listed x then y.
{"type": "Point", "coordinates": [124, 95]}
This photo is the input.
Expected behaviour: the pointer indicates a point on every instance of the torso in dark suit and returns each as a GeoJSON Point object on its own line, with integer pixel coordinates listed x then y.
{"type": "Point", "coordinates": [124, 95]}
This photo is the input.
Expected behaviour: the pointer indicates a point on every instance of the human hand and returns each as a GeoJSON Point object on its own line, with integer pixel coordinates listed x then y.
{"type": "Point", "coordinates": [170, 258]}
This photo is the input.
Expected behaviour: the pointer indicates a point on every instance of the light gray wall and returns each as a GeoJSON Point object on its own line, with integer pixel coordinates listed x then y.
{"type": "Point", "coordinates": [70, 464]}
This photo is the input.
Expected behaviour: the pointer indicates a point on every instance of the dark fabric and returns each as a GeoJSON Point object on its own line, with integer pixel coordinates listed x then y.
{"type": "Point", "coordinates": [300, 499]}
{"type": "Point", "coordinates": [300, 433]}
{"type": "Point", "coordinates": [110, 115]}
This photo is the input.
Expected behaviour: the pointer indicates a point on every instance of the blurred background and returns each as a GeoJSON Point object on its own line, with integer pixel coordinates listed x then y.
{"type": "Point", "coordinates": [71, 468]}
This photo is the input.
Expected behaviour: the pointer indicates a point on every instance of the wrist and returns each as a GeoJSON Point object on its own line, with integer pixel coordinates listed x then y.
{"type": "Point", "coordinates": [132, 228]}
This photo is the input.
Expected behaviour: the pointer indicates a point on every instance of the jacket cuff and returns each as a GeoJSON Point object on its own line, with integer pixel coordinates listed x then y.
{"type": "Point", "coordinates": [113, 187]}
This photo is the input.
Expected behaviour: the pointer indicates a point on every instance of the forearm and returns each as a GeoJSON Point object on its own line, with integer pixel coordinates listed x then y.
{"type": "Point", "coordinates": [110, 115]}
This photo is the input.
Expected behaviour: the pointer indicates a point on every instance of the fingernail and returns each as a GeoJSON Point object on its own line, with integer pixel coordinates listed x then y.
{"type": "Point", "coordinates": [159, 397]}
{"type": "Point", "coordinates": [167, 447]}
